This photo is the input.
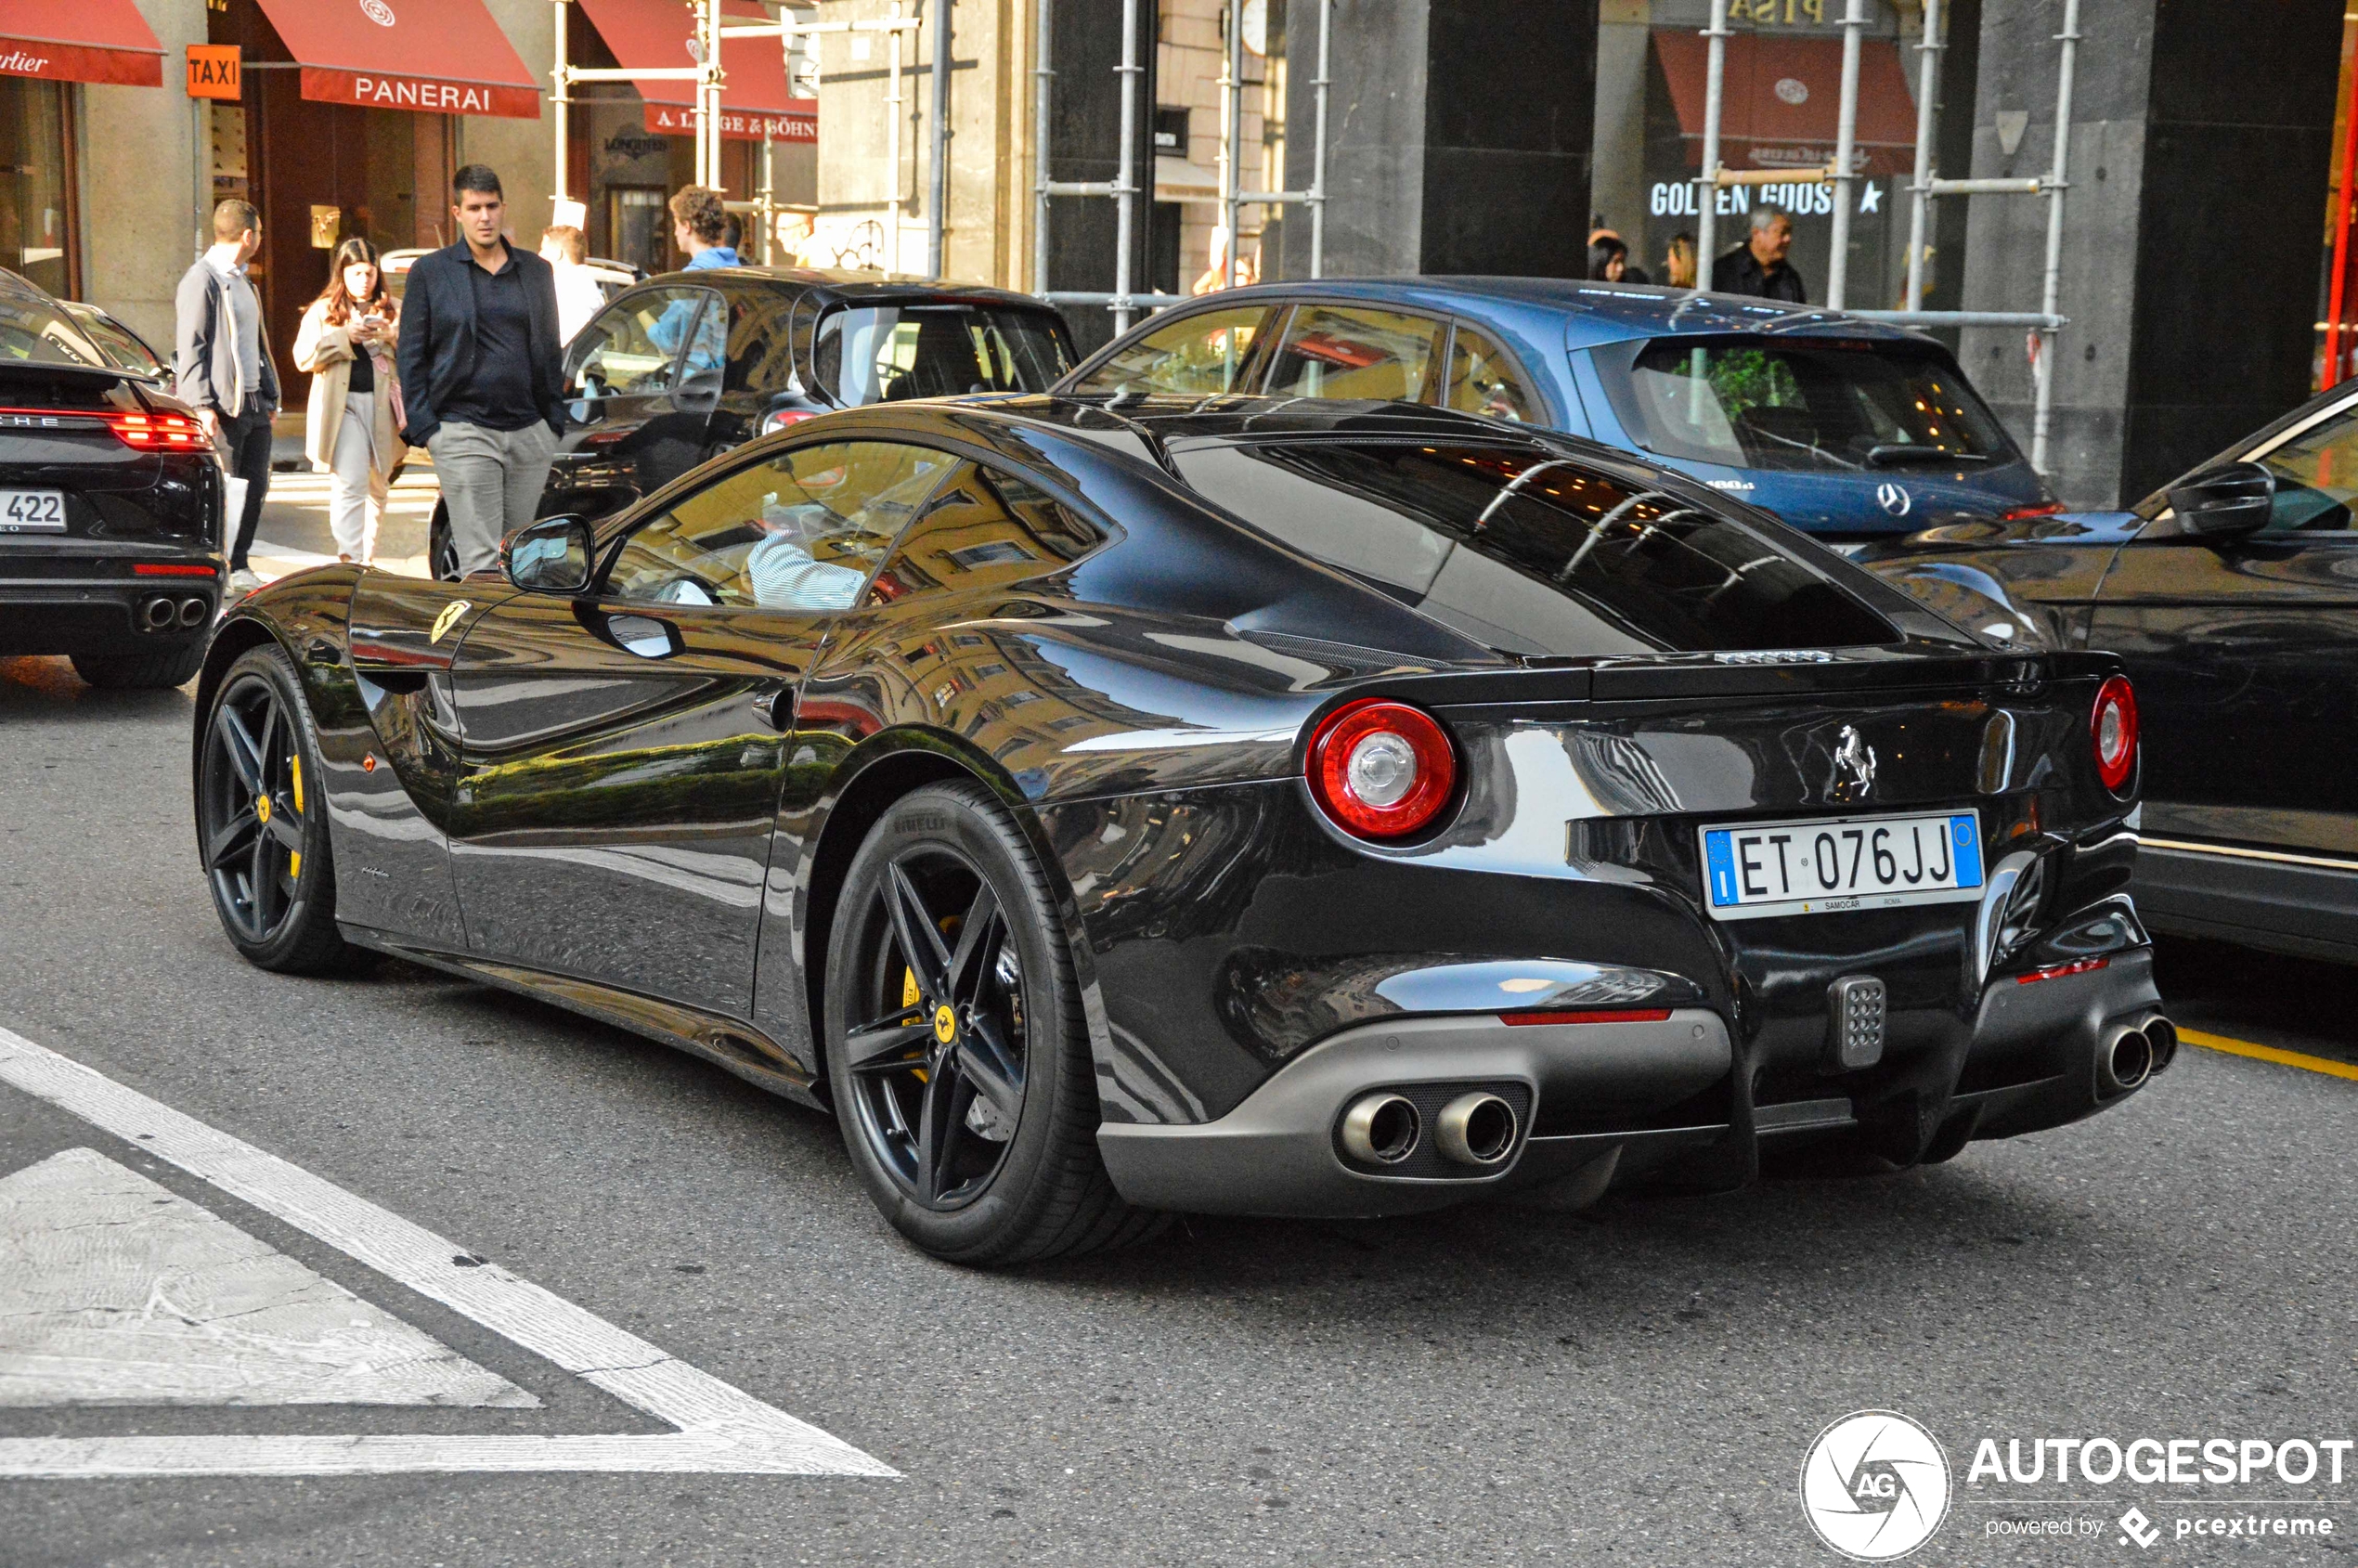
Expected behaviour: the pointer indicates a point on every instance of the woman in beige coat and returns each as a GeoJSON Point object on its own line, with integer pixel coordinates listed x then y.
{"type": "Point", "coordinates": [346, 344]}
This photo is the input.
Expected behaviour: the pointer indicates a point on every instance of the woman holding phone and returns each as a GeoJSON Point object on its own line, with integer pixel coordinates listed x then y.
{"type": "Point", "coordinates": [346, 344]}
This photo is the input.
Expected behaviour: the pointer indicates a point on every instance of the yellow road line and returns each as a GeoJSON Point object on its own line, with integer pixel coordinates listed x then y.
{"type": "Point", "coordinates": [2326, 1065]}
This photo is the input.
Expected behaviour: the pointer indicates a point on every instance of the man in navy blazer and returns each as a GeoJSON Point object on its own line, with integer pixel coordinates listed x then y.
{"type": "Point", "coordinates": [482, 370]}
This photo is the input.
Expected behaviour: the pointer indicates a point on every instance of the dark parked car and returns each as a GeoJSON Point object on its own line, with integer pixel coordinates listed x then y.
{"type": "Point", "coordinates": [1309, 808]}
{"type": "Point", "coordinates": [109, 506]}
{"type": "Point", "coordinates": [2232, 596]}
{"type": "Point", "coordinates": [1843, 428]}
{"type": "Point", "coordinates": [687, 364]}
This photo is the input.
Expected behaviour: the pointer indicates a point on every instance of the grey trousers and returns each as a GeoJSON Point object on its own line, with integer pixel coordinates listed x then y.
{"type": "Point", "coordinates": [492, 480]}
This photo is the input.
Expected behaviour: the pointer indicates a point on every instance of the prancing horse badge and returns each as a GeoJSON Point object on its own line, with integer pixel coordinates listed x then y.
{"type": "Point", "coordinates": [448, 618]}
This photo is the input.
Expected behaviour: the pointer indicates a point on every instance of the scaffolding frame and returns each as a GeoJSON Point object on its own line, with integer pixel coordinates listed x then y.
{"type": "Point", "coordinates": [712, 28]}
{"type": "Point", "coordinates": [1123, 187]}
{"type": "Point", "coordinates": [2045, 323]}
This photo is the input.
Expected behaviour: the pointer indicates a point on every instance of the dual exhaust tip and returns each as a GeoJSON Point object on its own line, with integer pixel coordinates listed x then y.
{"type": "Point", "coordinates": [2129, 1054]}
{"type": "Point", "coordinates": [1475, 1129]}
{"type": "Point", "coordinates": [161, 614]}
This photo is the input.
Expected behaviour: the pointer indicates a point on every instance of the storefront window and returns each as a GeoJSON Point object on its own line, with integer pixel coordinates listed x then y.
{"type": "Point", "coordinates": [36, 218]}
{"type": "Point", "coordinates": [1781, 103]}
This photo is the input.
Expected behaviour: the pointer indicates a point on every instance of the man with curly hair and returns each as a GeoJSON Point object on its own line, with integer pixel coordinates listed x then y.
{"type": "Point", "coordinates": [699, 225]}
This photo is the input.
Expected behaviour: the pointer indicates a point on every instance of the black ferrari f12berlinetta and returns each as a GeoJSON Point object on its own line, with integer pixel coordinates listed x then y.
{"type": "Point", "coordinates": [1110, 808]}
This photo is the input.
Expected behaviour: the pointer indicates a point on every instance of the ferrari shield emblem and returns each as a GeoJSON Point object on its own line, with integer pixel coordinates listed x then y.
{"type": "Point", "coordinates": [448, 618]}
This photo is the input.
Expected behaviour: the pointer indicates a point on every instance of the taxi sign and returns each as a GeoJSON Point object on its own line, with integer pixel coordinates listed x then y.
{"type": "Point", "coordinates": [214, 72]}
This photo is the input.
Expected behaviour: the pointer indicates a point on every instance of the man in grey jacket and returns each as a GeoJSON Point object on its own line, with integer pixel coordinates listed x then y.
{"type": "Point", "coordinates": [222, 365]}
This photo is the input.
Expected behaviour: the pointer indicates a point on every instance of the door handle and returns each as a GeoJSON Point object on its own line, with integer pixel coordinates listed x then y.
{"type": "Point", "coordinates": [776, 706]}
{"type": "Point", "coordinates": [643, 635]}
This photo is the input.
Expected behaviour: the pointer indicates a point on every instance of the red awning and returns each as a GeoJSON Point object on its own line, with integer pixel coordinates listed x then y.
{"type": "Point", "coordinates": [88, 41]}
{"type": "Point", "coordinates": [1782, 96]}
{"type": "Point", "coordinates": [754, 102]}
{"type": "Point", "coordinates": [436, 56]}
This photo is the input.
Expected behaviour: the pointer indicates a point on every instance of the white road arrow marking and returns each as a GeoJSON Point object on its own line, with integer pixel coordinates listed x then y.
{"type": "Point", "coordinates": [720, 1428]}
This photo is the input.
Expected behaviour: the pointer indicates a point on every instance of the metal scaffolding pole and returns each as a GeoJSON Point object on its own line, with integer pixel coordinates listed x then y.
{"type": "Point", "coordinates": [1317, 195]}
{"type": "Point", "coordinates": [1232, 132]}
{"type": "Point", "coordinates": [1125, 185]}
{"type": "Point", "coordinates": [1920, 191]}
{"type": "Point", "coordinates": [2051, 294]}
{"type": "Point", "coordinates": [1708, 189]}
{"type": "Point", "coordinates": [936, 217]}
{"type": "Point", "coordinates": [1044, 76]}
{"type": "Point", "coordinates": [1854, 23]}
{"type": "Point", "coordinates": [559, 102]}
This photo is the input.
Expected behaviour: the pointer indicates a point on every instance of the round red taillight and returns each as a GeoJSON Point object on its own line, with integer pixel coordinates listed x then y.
{"type": "Point", "coordinates": [1381, 770]}
{"type": "Point", "coordinates": [2112, 728]}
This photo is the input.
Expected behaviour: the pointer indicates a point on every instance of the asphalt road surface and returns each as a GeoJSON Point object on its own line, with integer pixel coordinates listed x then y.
{"type": "Point", "coordinates": [1635, 1384]}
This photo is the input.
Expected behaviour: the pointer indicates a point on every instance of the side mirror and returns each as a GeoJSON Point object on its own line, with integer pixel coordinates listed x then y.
{"type": "Point", "coordinates": [550, 556]}
{"type": "Point", "coordinates": [2224, 503]}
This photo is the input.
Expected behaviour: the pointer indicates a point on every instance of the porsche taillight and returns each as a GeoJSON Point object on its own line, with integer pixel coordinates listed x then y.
{"type": "Point", "coordinates": [160, 433]}
{"type": "Point", "coordinates": [2112, 731]}
{"type": "Point", "coordinates": [1381, 770]}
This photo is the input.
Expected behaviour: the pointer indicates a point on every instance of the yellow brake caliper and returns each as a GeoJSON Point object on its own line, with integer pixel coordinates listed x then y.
{"type": "Point", "coordinates": [909, 998]}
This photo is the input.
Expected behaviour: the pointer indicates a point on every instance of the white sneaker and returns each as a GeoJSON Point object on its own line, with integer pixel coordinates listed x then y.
{"type": "Point", "coordinates": [242, 582]}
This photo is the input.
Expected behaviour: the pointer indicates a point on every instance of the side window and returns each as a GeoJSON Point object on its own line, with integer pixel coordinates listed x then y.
{"type": "Point", "coordinates": [1333, 351]}
{"type": "Point", "coordinates": [629, 349]}
{"type": "Point", "coordinates": [798, 533]}
{"type": "Point", "coordinates": [984, 530]}
{"type": "Point", "coordinates": [2316, 475]}
{"type": "Point", "coordinates": [1198, 356]}
{"type": "Point", "coordinates": [1484, 381]}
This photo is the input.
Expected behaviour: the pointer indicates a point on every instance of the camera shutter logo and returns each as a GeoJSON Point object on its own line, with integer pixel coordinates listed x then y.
{"type": "Point", "coordinates": [1894, 498]}
{"type": "Point", "coordinates": [1874, 1485]}
{"type": "Point", "coordinates": [377, 11]}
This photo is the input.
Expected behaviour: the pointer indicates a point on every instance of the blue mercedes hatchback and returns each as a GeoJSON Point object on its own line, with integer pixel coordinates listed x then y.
{"type": "Point", "coordinates": [1848, 429]}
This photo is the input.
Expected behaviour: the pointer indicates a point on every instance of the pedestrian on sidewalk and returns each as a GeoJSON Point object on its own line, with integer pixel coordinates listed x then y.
{"type": "Point", "coordinates": [482, 372]}
{"type": "Point", "coordinates": [566, 250]}
{"type": "Point", "coordinates": [221, 367]}
{"type": "Point", "coordinates": [1758, 266]}
{"type": "Point", "coordinates": [700, 226]}
{"type": "Point", "coordinates": [346, 344]}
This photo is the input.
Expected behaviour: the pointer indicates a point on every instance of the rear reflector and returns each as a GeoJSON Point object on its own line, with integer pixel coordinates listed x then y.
{"type": "Point", "coordinates": [2084, 966]}
{"type": "Point", "coordinates": [1621, 1015]}
{"type": "Point", "coordinates": [171, 569]}
{"type": "Point", "coordinates": [2023, 514]}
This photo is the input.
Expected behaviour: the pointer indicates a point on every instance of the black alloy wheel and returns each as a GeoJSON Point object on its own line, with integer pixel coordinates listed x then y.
{"type": "Point", "coordinates": [955, 1043]}
{"type": "Point", "coordinates": [262, 819]}
{"type": "Point", "coordinates": [939, 1069]}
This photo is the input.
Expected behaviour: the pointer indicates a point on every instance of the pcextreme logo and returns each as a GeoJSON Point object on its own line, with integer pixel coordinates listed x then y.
{"type": "Point", "coordinates": [1874, 1485]}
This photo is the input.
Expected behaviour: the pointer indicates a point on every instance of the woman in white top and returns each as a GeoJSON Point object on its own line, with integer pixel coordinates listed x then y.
{"type": "Point", "coordinates": [346, 344]}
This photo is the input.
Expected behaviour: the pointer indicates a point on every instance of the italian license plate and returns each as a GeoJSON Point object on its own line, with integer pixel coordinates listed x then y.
{"type": "Point", "coordinates": [1821, 866]}
{"type": "Point", "coordinates": [32, 511]}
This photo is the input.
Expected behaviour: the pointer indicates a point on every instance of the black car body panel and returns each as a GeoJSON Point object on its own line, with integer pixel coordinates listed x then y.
{"type": "Point", "coordinates": [643, 805]}
{"type": "Point", "coordinates": [116, 552]}
{"type": "Point", "coordinates": [2239, 647]}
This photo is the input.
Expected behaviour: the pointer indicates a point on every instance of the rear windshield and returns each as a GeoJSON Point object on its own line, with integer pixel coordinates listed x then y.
{"type": "Point", "coordinates": [886, 353]}
{"type": "Point", "coordinates": [33, 332]}
{"type": "Point", "coordinates": [1828, 407]}
{"type": "Point", "coordinates": [1532, 555]}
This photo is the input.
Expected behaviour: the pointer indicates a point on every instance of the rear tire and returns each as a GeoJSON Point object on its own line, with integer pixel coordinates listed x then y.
{"type": "Point", "coordinates": [971, 1112]}
{"type": "Point", "coordinates": [261, 819]}
{"type": "Point", "coordinates": [141, 671]}
{"type": "Point", "coordinates": [442, 553]}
